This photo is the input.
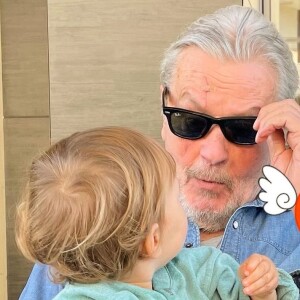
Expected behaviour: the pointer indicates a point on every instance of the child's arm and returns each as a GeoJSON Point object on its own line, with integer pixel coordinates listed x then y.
{"type": "Point", "coordinates": [259, 277]}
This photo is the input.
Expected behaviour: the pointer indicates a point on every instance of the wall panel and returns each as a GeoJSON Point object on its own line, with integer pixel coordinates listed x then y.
{"type": "Point", "coordinates": [25, 58]}
{"type": "Point", "coordinates": [3, 256]}
{"type": "Point", "coordinates": [24, 138]}
{"type": "Point", "coordinates": [25, 78]}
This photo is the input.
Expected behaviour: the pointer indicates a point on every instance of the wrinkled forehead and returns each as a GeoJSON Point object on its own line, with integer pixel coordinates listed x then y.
{"type": "Point", "coordinates": [203, 77]}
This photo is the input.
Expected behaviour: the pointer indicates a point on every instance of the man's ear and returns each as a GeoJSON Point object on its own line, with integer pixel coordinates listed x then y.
{"type": "Point", "coordinates": [164, 128]}
{"type": "Point", "coordinates": [151, 246]}
{"type": "Point", "coordinates": [165, 122]}
{"type": "Point", "coordinates": [161, 88]}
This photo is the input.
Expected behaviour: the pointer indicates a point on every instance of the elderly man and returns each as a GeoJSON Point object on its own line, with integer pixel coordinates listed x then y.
{"type": "Point", "coordinates": [229, 75]}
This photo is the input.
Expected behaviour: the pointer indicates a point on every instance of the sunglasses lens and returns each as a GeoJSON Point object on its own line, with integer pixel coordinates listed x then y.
{"type": "Point", "coordinates": [240, 131]}
{"type": "Point", "coordinates": [187, 125]}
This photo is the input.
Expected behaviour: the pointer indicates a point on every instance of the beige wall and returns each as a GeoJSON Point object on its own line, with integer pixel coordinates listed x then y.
{"type": "Point", "coordinates": [103, 70]}
{"type": "Point", "coordinates": [3, 263]}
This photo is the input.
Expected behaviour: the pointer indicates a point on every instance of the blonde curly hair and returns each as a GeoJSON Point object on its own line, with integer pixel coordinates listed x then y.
{"type": "Point", "coordinates": [89, 202]}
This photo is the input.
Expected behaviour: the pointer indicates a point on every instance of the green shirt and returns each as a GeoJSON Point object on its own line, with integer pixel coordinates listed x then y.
{"type": "Point", "coordinates": [199, 273]}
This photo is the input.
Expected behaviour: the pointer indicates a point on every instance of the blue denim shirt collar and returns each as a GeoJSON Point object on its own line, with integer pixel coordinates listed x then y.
{"type": "Point", "coordinates": [193, 235]}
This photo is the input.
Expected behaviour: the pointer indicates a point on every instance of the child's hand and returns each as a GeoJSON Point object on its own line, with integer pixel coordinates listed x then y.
{"type": "Point", "coordinates": [259, 277]}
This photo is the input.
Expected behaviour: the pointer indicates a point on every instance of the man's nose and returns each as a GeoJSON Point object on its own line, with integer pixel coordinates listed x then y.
{"type": "Point", "coordinates": [214, 146]}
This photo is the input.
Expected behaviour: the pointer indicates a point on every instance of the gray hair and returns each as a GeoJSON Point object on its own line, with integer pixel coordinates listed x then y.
{"type": "Point", "coordinates": [239, 34]}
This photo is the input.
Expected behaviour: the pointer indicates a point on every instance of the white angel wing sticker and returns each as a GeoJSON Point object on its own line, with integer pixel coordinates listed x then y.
{"type": "Point", "coordinates": [278, 193]}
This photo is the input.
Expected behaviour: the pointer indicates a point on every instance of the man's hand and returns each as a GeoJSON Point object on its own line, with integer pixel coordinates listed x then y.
{"type": "Point", "coordinates": [259, 277]}
{"type": "Point", "coordinates": [273, 120]}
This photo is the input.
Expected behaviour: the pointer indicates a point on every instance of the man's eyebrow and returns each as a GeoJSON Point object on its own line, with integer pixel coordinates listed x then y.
{"type": "Point", "coordinates": [192, 97]}
{"type": "Point", "coordinates": [187, 99]}
{"type": "Point", "coordinates": [253, 111]}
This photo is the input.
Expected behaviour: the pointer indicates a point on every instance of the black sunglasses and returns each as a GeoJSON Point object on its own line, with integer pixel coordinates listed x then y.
{"type": "Point", "coordinates": [192, 125]}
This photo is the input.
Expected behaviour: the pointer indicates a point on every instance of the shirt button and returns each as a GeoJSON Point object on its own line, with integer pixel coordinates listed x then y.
{"type": "Point", "coordinates": [188, 245]}
{"type": "Point", "coordinates": [235, 224]}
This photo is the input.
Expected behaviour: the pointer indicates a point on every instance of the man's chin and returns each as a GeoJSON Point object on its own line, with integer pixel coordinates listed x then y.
{"type": "Point", "coordinates": [211, 204]}
{"type": "Point", "coordinates": [211, 215]}
{"type": "Point", "coordinates": [211, 221]}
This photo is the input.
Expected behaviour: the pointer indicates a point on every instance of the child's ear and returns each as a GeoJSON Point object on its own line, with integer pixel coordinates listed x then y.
{"type": "Point", "coordinates": [151, 246]}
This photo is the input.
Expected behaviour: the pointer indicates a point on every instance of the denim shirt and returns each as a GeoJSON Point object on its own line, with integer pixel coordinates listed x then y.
{"type": "Point", "coordinates": [249, 230]}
